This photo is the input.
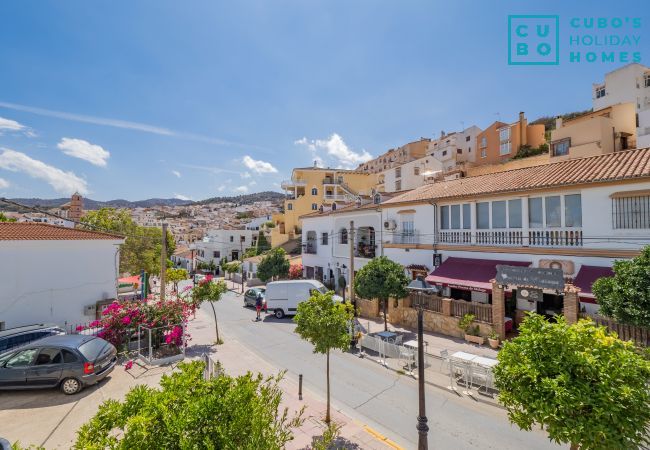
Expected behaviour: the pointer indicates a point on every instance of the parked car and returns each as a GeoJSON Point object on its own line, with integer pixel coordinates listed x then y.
{"type": "Point", "coordinates": [69, 362]}
{"type": "Point", "coordinates": [250, 297]}
{"type": "Point", "coordinates": [282, 297]}
{"type": "Point", "coordinates": [15, 337]}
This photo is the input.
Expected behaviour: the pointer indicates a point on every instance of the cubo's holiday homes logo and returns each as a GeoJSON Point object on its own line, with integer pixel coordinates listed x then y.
{"type": "Point", "coordinates": [533, 40]}
{"type": "Point", "coordinates": [536, 40]}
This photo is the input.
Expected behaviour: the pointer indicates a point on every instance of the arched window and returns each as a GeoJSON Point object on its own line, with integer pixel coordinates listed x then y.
{"type": "Point", "coordinates": [333, 206]}
{"type": "Point", "coordinates": [290, 206]}
{"type": "Point", "coordinates": [314, 191]}
{"type": "Point", "coordinates": [343, 236]}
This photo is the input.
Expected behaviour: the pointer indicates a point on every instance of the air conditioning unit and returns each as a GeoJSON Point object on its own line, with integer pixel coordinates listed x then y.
{"type": "Point", "coordinates": [390, 225]}
{"type": "Point", "coordinates": [90, 310]}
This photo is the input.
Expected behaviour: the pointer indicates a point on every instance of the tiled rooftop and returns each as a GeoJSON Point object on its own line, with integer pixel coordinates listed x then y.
{"type": "Point", "coordinates": [28, 231]}
{"type": "Point", "coordinates": [623, 165]}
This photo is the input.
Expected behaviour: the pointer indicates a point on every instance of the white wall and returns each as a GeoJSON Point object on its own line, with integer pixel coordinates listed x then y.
{"type": "Point", "coordinates": [219, 240]}
{"type": "Point", "coordinates": [52, 281]}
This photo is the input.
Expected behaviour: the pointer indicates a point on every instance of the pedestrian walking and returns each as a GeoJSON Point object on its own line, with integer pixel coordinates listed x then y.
{"type": "Point", "coordinates": [258, 306]}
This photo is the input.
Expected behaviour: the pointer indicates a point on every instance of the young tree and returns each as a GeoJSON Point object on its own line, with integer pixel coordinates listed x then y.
{"type": "Point", "coordinates": [188, 411]}
{"type": "Point", "coordinates": [209, 291]}
{"type": "Point", "coordinates": [263, 244]}
{"type": "Point", "coordinates": [176, 275]}
{"type": "Point", "coordinates": [141, 249]}
{"type": "Point", "coordinates": [382, 279]}
{"type": "Point", "coordinates": [273, 265]}
{"type": "Point", "coordinates": [585, 387]}
{"type": "Point", "coordinates": [325, 324]}
{"type": "Point", "coordinates": [626, 296]}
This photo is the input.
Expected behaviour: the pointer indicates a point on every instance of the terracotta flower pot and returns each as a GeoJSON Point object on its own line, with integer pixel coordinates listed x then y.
{"type": "Point", "coordinates": [494, 343]}
{"type": "Point", "coordinates": [475, 339]}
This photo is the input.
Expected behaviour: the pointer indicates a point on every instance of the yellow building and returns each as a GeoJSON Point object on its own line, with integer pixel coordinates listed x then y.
{"type": "Point", "coordinates": [500, 141]}
{"type": "Point", "coordinates": [606, 130]}
{"type": "Point", "coordinates": [311, 188]}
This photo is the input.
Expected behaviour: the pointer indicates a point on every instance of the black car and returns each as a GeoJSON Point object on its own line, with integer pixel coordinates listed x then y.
{"type": "Point", "coordinates": [250, 296]}
{"type": "Point", "coordinates": [69, 362]}
{"type": "Point", "coordinates": [15, 337]}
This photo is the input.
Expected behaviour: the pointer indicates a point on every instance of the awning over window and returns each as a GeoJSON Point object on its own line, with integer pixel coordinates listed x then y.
{"type": "Point", "coordinates": [469, 273]}
{"type": "Point", "coordinates": [586, 277]}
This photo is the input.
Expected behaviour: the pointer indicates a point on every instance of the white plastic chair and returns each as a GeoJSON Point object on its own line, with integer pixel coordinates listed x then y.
{"type": "Point", "coordinates": [444, 354]}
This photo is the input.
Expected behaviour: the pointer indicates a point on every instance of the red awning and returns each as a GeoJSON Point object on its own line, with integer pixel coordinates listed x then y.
{"type": "Point", "coordinates": [586, 277]}
{"type": "Point", "coordinates": [129, 280]}
{"type": "Point", "coordinates": [469, 273]}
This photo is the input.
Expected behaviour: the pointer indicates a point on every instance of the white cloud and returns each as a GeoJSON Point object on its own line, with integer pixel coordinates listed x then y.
{"type": "Point", "coordinates": [4, 184]}
{"type": "Point", "coordinates": [258, 166]}
{"type": "Point", "coordinates": [182, 197]}
{"type": "Point", "coordinates": [221, 188]}
{"type": "Point", "coordinates": [252, 183]}
{"type": "Point", "coordinates": [62, 182]}
{"type": "Point", "coordinates": [176, 173]}
{"type": "Point", "coordinates": [78, 148]}
{"type": "Point", "coordinates": [241, 189]}
{"type": "Point", "coordinates": [11, 125]}
{"type": "Point", "coordinates": [336, 150]}
{"type": "Point", "coordinates": [245, 175]}
{"type": "Point", "coordinates": [125, 124]}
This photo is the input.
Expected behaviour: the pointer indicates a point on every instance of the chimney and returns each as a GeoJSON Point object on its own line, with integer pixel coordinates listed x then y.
{"type": "Point", "coordinates": [442, 134]}
{"type": "Point", "coordinates": [558, 122]}
{"type": "Point", "coordinates": [522, 129]}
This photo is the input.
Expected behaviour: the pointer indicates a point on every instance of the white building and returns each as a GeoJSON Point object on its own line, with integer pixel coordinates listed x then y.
{"type": "Point", "coordinates": [229, 244]}
{"type": "Point", "coordinates": [410, 175]}
{"type": "Point", "coordinates": [55, 274]}
{"type": "Point", "coordinates": [183, 258]}
{"type": "Point", "coordinates": [579, 215]}
{"type": "Point", "coordinates": [326, 240]}
{"type": "Point", "coordinates": [453, 148]}
{"type": "Point", "coordinates": [44, 218]}
{"type": "Point", "coordinates": [630, 83]}
{"type": "Point", "coordinates": [257, 222]}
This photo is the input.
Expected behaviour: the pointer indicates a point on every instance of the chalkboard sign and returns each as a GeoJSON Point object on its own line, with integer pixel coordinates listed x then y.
{"type": "Point", "coordinates": [530, 276]}
{"type": "Point", "coordinates": [530, 294]}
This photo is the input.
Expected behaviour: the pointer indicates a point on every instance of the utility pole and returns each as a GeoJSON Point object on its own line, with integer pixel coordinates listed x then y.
{"type": "Point", "coordinates": [163, 262]}
{"type": "Point", "coordinates": [352, 299]}
{"type": "Point", "coordinates": [241, 258]}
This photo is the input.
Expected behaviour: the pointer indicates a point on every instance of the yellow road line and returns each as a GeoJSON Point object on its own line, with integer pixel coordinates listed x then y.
{"type": "Point", "coordinates": [382, 438]}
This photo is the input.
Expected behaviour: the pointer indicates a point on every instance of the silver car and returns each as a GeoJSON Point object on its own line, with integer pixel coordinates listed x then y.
{"type": "Point", "coordinates": [69, 362]}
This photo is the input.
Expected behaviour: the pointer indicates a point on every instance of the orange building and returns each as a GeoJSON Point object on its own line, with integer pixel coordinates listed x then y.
{"type": "Point", "coordinates": [500, 141]}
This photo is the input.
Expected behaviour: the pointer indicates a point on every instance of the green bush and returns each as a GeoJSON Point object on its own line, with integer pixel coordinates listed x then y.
{"type": "Point", "coordinates": [189, 412]}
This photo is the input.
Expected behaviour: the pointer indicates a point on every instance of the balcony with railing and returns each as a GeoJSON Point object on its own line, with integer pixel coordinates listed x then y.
{"type": "Point", "coordinates": [291, 184]}
{"type": "Point", "coordinates": [534, 237]}
{"type": "Point", "coordinates": [406, 237]}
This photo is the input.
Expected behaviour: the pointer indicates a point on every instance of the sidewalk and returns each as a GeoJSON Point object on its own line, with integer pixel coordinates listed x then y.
{"type": "Point", "coordinates": [236, 359]}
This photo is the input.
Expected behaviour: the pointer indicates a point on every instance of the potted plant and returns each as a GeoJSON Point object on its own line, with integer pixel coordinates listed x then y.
{"type": "Point", "coordinates": [493, 339]}
{"type": "Point", "coordinates": [472, 333]}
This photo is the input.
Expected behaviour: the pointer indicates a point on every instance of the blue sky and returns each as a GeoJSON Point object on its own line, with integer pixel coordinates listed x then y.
{"type": "Point", "coordinates": [139, 99]}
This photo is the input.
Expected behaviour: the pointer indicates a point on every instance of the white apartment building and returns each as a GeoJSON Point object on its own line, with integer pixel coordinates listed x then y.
{"type": "Point", "coordinates": [630, 83]}
{"type": "Point", "coordinates": [326, 240]}
{"type": "Point", "coordinates": [579, 215]}
{"type": "Point", "coordinates": [257, 222]}
{"type": "Point", "coordinates": [453, 148]}
{"type": "Point", "coordinates": [229, 244]}
{"type": "Point", "coordinates": [43, 218]}
{"type": "Point", "coordinates": [410, 175]}
{"type": "Point", "coordinates": [55, 274]}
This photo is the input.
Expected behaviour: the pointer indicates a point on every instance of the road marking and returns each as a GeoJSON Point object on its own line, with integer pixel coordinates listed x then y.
{"type": "Point", "coordinates": [382, 438]}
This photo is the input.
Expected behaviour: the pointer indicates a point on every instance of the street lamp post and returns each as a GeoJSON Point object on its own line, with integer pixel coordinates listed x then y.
{"type": "Point", "coordinates": [418, 286]}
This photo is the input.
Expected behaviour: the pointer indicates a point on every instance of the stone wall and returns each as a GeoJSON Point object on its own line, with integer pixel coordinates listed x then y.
{"type": "Point", "coordinates": [368, 308]}
{"type": "Point", "coordinates": [400, 313]}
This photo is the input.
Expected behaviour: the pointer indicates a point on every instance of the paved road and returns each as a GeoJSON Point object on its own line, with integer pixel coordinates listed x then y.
{"type": "Point", "coordinates": [371, 394]}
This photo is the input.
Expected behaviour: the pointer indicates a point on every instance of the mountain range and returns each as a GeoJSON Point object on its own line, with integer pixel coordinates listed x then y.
{"type": "Point", "coordinates": [90, 204]}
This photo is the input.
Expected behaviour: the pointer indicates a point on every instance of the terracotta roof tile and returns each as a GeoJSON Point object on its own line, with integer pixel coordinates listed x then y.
{"type": "Point", "coordinates": [622, 165]}
{"type": "Point", "coordinates": [28, 231]}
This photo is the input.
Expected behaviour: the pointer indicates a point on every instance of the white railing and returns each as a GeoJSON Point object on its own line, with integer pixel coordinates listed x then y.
{"type": "Point", "coordinates": [291, 183]}
{"type": "Point", "coordinates": [536, 237]}
{"type": "Point", "coordinates": [408, 237]}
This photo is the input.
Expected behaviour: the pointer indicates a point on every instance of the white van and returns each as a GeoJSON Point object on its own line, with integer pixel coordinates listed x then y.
{"type": "Point", "coordinates": [282, 297]}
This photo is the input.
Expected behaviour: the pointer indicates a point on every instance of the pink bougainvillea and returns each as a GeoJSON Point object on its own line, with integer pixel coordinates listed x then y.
{"type": "Point", "coordinates": [121, 320]}
{"type": "Point", "coordinates": [128, 365]}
